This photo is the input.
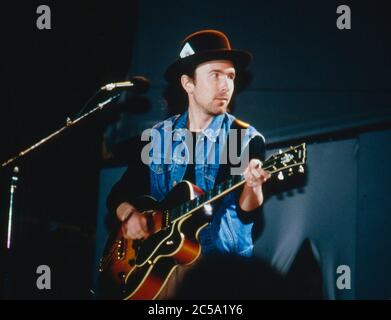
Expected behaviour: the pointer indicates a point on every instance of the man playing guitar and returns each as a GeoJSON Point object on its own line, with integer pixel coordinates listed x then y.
{"type": "Point", "coordinates": [206, 70]}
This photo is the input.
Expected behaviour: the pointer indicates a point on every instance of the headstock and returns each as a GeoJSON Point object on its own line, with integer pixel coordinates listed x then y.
{"type": "Point", "coordinates": [291, 160]}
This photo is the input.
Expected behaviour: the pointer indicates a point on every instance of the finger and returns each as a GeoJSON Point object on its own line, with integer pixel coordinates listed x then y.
{"type": "Point", "coordinates": [245, 171]}
{"type": "Point", "coordinates": [139, 229]}
{"type": "Point", "coordinates": [124, 211]}
{"type": "Point", "coordinates": [140, 235]}
{"type": "Point", "coordinates": [265, 175]}
{"type": "Point", "coordinates": [143, 224]}
{"type": "Point", "coordinates": [250, 182]}
{"type": "Point", "coordinates": [128, 216]}
{"type": "Point", "coordinates": [136, 234]}
{"type": "Point", "coordinates": [255, 173]}
{"type": "Point", "coordinates": [248, 177]}
{"type": "Point", "coordinates": [255, 163]}
{"type": "Point", "coordinates": [127, 233]}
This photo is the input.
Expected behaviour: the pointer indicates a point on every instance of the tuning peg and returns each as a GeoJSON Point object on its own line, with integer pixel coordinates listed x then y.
{"type": "Point", "coordinates": [280, 176]}
{"type": "Point", "coordinates": [301, 169]}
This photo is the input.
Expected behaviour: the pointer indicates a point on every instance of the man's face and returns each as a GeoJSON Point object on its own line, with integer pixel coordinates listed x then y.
{"type": "Point", "coordinates": [213, 86]}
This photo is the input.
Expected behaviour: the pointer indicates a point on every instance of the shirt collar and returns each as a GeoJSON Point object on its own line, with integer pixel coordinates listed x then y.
{"type": "Point", "coordinates": [211, 132]}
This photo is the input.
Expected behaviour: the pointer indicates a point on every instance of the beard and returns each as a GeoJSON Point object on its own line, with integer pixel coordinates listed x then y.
{"type": "Point", "coordinates": [217, 107]}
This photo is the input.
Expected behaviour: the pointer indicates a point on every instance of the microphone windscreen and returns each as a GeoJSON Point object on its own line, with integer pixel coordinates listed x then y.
{"type": "Point", "coordinates": [141, 84]}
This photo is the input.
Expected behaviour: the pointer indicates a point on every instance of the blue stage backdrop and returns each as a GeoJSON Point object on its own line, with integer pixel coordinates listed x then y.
{"type": "Point", "coordinates": [341, 207]}
{"type": "Point", "coordinates": [309, 81]}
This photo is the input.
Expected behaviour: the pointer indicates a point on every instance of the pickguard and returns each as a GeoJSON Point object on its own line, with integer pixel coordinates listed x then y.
{"type": "Point", "coordinates": [163, 243]}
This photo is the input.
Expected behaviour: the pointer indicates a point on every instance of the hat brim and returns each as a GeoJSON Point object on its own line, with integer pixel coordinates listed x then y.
{"type": "Point", "coordinates": [239, 58]}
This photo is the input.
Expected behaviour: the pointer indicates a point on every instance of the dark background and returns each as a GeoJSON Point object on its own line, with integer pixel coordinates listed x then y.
{"type": "Point", "coordinates": [47, 76]}
{"type": "Point", "coordinates": [308, 79]}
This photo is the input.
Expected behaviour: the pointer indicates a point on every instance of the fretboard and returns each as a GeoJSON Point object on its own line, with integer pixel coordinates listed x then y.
{"type": "Point", "coordinates": [282, 161]}
{"type": "Point", "coordinates": [217, 192]}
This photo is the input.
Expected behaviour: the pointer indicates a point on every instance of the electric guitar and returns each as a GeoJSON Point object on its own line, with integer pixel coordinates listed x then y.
{"type": "Point", "coordinates": [139, 269]}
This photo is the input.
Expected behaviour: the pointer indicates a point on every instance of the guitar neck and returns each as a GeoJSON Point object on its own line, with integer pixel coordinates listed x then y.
{"type": "Point", "coordinates": [214, 194]}
{"type": "Point", "coordinates": [283, 161]}
{"type": "Point", "coordinates": [208, 197]}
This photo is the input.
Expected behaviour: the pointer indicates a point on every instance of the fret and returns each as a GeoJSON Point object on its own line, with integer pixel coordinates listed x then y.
{"type": "Point", "coordinates": [186, 206]}
{"type": "Point", "coordinates": [173, 213]}
{"type": "Point", "coordinates": [294, 157]}
{"type": "Point", "coordinates": [183, 208]}
{"type": "Point", "coordinates": [179, 210]}
{"type": "Point", "coordinates": [194, 203]}
{"type": "Point", "coordinates": [197, 201]}
{"type": "Point", "coordinates": [191, 204]}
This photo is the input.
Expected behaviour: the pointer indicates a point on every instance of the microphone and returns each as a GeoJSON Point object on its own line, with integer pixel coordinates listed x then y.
{"type": "Point", "coordinates": [138, 83]}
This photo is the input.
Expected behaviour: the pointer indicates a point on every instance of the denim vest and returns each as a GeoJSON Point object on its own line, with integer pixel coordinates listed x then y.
{"type": "Point", "coordinates": [169, 156]}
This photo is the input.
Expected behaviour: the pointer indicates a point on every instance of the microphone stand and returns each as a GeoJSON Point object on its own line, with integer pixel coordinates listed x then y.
{"type": "Point", "coordinates": [14, 180]}
{"type": "Point", "coordinates": [69, 124]}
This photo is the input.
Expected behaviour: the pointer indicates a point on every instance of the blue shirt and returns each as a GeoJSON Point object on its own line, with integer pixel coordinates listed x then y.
{"type": "Point", "coordinates": [169, 156]}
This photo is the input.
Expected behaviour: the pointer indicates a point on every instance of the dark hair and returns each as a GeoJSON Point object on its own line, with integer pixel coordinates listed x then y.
{"type": "Point", "coordinates": [175, 96]}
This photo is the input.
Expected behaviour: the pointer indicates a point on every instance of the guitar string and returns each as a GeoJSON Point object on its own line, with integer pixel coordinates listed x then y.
{"type": "Point", "coordinates": [272, 159]}
{"type": "Point", "coordinates": [270, 163]}
{"type": "Point", "coordinates": [236, 186]}
{"type": "Point", "coordinates": [214, 198]}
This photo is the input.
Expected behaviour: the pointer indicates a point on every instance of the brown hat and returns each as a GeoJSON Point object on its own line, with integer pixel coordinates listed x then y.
{"type": "Point", "coordinates": [202, 46]}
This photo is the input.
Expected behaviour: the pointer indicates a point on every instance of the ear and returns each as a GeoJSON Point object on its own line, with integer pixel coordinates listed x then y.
{"type": "Point", "coordinates": [187, 83]}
